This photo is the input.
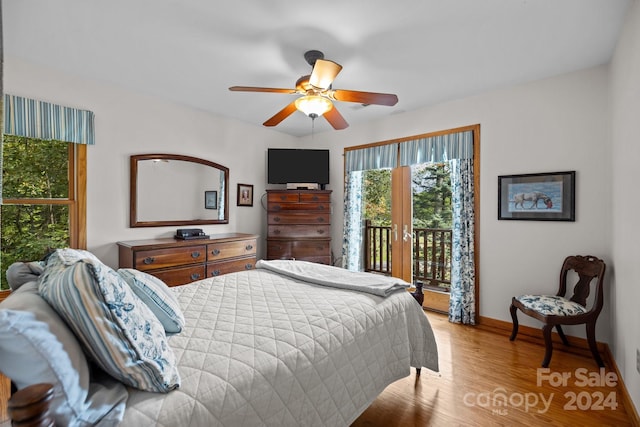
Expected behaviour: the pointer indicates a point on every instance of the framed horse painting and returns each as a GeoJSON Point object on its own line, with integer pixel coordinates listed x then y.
{"type": "Point", "coordinates": [537, 196]}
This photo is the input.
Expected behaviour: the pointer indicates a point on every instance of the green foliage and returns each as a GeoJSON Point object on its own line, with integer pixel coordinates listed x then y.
{"type": "Point", "coordinates": [431, 189]}
{"type": "Point", "coordinates": [33, 169]}
{"type": "Point", "coordinates": [377, 196]}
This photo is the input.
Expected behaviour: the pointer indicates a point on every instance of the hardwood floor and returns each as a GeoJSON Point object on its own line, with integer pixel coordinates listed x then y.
{"type": "Point", "coordinates": [481, 369]}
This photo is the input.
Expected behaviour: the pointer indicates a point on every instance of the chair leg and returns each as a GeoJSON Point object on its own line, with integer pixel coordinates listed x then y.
{"type": "Point", "coordinates": [591, 339]}
{"type": "Point", "coordinates": [514, 316]}
{"type": "Point", "coordinates": [548, 345]}
{"type": "Point", "coordinates": [562, 335]}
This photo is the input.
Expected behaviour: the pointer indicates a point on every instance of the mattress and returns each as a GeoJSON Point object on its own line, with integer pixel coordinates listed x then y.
{"type": "Point", "coordinates": [261, 349]}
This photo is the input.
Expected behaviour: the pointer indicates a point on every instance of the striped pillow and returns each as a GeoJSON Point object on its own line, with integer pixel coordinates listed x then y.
{"type": "Point", "coordinates": [115, 328]}
{"type": "Point", "coordinates": [157, 296]}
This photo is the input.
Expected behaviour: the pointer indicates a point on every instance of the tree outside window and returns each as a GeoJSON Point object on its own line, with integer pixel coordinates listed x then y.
{"type": "Point", "coordinates": [39, 203]}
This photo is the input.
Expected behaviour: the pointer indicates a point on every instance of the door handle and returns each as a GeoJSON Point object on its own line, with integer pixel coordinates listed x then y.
{"type": "Point", "coordinates": [406, 236]}
{"type": "Point", "coordinates": [395, 232]}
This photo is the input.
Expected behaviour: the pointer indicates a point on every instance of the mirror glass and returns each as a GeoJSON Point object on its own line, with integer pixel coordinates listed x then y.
{"type": "Point", "coordinates": [169, 189]}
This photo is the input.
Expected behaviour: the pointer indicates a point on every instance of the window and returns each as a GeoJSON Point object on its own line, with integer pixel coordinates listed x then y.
{"type": "Point", "coordinates": [43, 191]}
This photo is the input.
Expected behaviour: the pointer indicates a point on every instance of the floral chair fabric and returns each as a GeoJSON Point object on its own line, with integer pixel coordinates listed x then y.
{"type": "Point", "coordinates": [551, 305]}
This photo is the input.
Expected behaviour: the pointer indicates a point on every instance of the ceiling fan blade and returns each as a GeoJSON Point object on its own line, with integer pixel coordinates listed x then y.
{"type": "Point", "coordinates": [363, 97]}
{"type": "Point", "coordinates": [281, 115]}
{"type": "Point", "coordinates": [260, 89]}
{"type": "Point", "coordinates": [335, 119]}
{"type": "Point", "coordinates": [323, 74]}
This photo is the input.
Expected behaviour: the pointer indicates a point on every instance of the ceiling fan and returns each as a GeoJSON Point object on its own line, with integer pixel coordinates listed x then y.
{"type": "Point", "coordinates": [317, 94]}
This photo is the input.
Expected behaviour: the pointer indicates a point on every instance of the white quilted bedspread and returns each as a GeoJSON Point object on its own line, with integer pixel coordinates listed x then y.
{"type": "Point", "coordinates": [260, 349]}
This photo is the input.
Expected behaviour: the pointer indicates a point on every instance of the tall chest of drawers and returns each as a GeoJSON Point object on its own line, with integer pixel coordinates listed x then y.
{"type": "Point", "coordinates": [178, 262]}
{"type": "Point", "coordinates": [299, 225]}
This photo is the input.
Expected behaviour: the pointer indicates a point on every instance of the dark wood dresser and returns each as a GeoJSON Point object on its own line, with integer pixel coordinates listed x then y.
{"type": "Point", "coordinates": [299, 225]}
{"type": "Point", "coordinates": [177, 262]}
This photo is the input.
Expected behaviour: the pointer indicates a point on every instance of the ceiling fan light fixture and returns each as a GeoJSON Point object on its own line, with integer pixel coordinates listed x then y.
{"type": "Point", "coordinates": [313, 104]}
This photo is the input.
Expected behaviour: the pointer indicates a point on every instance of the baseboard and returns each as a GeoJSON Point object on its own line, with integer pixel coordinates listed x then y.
{"type": "Point", "coordinates": [577, 346]}
{"type": "Point", "coordinates": [629, 406]}
{"type": "Point", "coordinates": [530, 334]}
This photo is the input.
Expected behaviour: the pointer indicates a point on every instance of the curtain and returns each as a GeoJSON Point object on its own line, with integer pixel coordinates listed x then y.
{"type": "Point", "coordinates": [356, 161]}
{"type": "Point", "coordinates": [437, 149]}
{"type": "Point", "coordinates": [462, 304]}
{"type": "Point", "coordinates": [221, 196]}
{"type": "Point", "coordinates": [353, 228]}
{"type": "Point", "coordinates": [377, 157]}
{"type": "Point", "coordinates": [43, 120]}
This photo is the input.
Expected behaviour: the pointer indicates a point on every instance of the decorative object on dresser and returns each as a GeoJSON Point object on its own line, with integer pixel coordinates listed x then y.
{"type": "Point", "coordinates": [178, 262]}
{"type": "Point", "coordinates": [299, 225]}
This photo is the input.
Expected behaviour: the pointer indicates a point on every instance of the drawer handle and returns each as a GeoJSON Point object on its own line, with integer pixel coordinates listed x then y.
{"type": "Point", "coordinates": [320, 231]}
{"type": "Point", "coordinates": [276, 231]}
{"type": "Point", "coordinates": [149, 260]}
{"type": "Point", "coordinates": [320, 248]}
{"type": "Point", "coordinates": [277, 207]}
{"type": "Point", "coordinates": [195, 276]}
{"type": "Point", "coordinates": [248, 266]}
{"type": "Point", "coordinates": [320, 219]}
{"type": "Point", "coordinates": [215, 252]}
{"type": "Point", "coordinates": [314, 198]}
{"type": "Point", "coordinates": [215, 273]}
{"type": "Point", "coordinates": [248, 247]}
{"type": "Point", "coordinates": [195, 254]}
{"type": "Point", "coordinates": [283, 197]}
{"type": "Point", "coordinates": [321, 207]}
{"type": "Point", "coordinates": [276, 219]}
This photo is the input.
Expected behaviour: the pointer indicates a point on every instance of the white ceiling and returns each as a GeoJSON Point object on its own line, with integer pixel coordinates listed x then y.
{"type": "Point", "coordinates": [425, 51]}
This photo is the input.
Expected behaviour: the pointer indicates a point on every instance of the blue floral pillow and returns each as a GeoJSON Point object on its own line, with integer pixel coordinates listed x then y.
{"type": "Point", "coordinates": [157, 296]}
{"type": "Point", "coordinates": [116, 329]}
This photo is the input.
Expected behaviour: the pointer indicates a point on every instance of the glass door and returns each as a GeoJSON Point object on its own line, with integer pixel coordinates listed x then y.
{"type": "Point", "coordinates": [407, 213]}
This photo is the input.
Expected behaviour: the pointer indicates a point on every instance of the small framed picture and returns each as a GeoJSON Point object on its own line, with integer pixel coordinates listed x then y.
{"type": "Point", "coordinates": [537, 196]}
{"type": "Point", "coordinates": [211, 200]}
{"type": "Point", "coordinates": [245, 195]}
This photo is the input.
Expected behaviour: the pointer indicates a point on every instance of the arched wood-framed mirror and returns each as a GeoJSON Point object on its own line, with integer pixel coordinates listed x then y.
{"type": "Point", "coordinates": [171, 189]}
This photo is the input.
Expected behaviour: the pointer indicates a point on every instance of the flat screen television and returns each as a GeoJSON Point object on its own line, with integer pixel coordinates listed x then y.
{"type": "Point", "coordinates": [290, 165]}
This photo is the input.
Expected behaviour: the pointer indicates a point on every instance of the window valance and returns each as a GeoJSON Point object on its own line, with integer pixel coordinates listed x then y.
{"type": "Point", "coordinates": [376, 157]}
{"type": "Point", "coordinates": [43, 120]}
{"type": "Point", "coordinates": [437, 149]}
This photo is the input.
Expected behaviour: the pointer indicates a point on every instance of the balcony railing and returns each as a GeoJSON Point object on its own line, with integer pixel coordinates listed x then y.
{"type": "Point", "coordinates": [431, 254]}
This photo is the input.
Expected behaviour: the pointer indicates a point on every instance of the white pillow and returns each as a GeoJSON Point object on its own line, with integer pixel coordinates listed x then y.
{"type": "Point", "coordinates": [157, 296]}
{"type": "Point", "coordinates": [36, 346]}
{"type": "Point", "coordinates": [117, 330]}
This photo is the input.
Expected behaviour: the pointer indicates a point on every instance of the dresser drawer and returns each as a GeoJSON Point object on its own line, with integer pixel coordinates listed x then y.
{"type": "Point", "coordinates": [309, 250]}
{"type": "Point", "coordinates": [283, 197]}
{"type": "Point", "coordinates": [299, 231]}
{"type": "Point", "coordinates": [162, 258]}
{"type": "Point", "coordinates": [298, 218]}
{"type": "Point", "coordinates": [225, 250]}
{"type": "Point", "coordinates": [315, 197]}
{"type": "Point", "coordinates": [321, 207]}
{"type": "Point", "coordinates": [225, 267]}
{"type": "Point", "coordinates": [180, 275]}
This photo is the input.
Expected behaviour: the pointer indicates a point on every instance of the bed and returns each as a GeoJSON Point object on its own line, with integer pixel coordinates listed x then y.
{"type": "Point", "coordinates": [274, 348]}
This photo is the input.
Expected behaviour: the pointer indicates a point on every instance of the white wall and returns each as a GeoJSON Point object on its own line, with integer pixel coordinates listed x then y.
{"type": "Point", "coordinates": [625, 107]}
{"type": "Point", "coordinates": [556, 124]}
{"type": "Point", "coordinates": [128, 123]}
